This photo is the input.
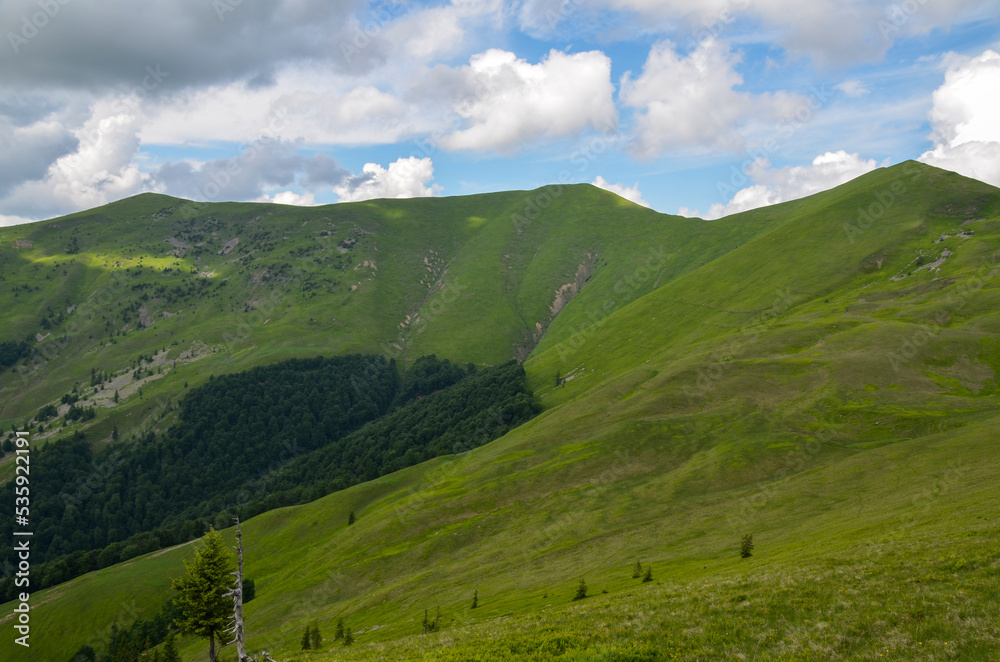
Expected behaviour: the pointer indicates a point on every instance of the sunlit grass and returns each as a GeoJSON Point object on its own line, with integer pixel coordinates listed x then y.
{"type": "Point", "coordinates": [754, 376]}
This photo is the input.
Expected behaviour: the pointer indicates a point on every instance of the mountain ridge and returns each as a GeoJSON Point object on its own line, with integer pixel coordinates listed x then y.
{"type": "Point", "coordinates": [769, 373]}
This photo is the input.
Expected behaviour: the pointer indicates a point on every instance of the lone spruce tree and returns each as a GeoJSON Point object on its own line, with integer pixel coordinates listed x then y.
{"type": "Point", "coordinates": [339, 634]}
{"type": "Point", "coordinates": [316, 638]}
{"type": "Point", "coordinates": [307, 638]}
{"type": "Point", "coordinates": [205, 611]}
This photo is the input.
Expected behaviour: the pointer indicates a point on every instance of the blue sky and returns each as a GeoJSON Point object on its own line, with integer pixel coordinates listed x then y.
{"type": "Point", "coordinates": [703, 109]}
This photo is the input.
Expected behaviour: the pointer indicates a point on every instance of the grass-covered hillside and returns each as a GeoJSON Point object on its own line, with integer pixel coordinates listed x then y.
{"type": "Point", "coordinates": [821, 374]}
{"type": "Point", "coordinates": [185, 290]}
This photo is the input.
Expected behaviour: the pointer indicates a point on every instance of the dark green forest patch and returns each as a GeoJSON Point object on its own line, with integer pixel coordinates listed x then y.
{"type": "Point", "coordinates": [244, 443]}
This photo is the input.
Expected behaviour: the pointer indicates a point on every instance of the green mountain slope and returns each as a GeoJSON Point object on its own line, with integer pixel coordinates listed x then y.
{"type": "Point", "coordinates": [822, 380]}
{"type": "Point", "coordinates": [196, 289]}
{"type": "Point", "coordinates": [276, 435]}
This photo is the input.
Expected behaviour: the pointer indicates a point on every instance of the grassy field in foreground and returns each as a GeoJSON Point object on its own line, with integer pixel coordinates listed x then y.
{"type": "Point", "coordinates": [895, 547]}
{"type": "Point", "coordinates": [904, 604]}
{"type": "Point", "coordinates": [894, 552]}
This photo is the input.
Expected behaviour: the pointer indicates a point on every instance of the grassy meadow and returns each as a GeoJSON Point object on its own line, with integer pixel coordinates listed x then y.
{"type": "Point", "coordinates": [822, 374]}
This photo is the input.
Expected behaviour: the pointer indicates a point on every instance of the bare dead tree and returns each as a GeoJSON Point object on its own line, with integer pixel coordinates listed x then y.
{"type": "Point", "coordinates": [236, 592]}
{"type": "Point", "coordinates": [236, 629]}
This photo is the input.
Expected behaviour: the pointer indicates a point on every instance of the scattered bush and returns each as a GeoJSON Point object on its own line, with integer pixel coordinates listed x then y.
{"type": "Point", "coordinates": [315, 638]}
{"type": "Point", "coordinates": [46, 412]}
{"type": "Point", "coordinates": [432, 625]}
{"type": "Point", "coordinates": [339, 634]}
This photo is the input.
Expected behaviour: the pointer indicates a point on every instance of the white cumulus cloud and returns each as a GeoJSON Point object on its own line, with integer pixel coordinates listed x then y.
{"type": "Point", "coordinates": [628, 192]}
{"type": "Point", "coordinates": [13, 220]}
{"type": "Point", "coordinates": [306, 104]}
{"type": "Point", "coordinates": [307, 199]}
{"type": "Point", "coordinates": [404, 178]}
{"type": "Point", "coordinates": [691, 102]}
{"type": "Point", "coordinates": [774, 185]}
{"type": "Point", "coordinates": [436, 31]}
{"type": "Point", "coordinates": [505, 102]}
{"type": "Point", "coordinates": [102, 168]}
{"type": "Point", "coordinates": [965, 118]}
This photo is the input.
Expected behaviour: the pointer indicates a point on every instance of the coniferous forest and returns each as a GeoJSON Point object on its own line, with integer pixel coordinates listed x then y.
{"type": "Point", "coordinates": [244, 443]}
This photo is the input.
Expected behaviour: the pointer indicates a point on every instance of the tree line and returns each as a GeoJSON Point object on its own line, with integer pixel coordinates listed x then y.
{"type": "Point", "coordinates": [248, 442]}
{"type": "Point", "coordinates": [475, 411]}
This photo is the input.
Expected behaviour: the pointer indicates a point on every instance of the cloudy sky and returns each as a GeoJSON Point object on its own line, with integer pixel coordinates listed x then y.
{"type": "Point", "coordinates": [700, 108]}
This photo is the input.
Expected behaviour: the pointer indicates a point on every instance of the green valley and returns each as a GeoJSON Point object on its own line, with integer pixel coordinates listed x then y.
{"type": "Point", "coordinates": [821, 374]}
